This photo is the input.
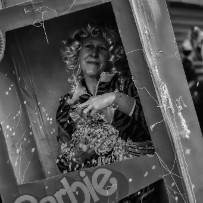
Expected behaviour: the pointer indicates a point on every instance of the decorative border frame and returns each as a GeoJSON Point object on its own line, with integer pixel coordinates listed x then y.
{"type": "Point", "coordinates": [156, 66]}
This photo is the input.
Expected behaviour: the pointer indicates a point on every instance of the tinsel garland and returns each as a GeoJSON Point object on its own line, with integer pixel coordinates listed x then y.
{"type": "Point", "coordinates": [107, 138]}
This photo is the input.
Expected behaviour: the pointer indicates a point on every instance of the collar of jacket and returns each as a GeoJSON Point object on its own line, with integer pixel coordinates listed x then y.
{"type": "Point", "coordinates": [80, 89]}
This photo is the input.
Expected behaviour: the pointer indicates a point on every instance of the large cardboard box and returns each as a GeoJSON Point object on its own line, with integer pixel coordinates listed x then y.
{"type": "Point", "coordinates": [33, 78]}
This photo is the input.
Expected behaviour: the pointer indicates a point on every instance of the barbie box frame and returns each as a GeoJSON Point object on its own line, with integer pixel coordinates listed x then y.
{"type": "Point", "coordinates": [30, 87]}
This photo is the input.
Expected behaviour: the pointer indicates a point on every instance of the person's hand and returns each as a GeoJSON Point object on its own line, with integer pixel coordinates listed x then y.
{"type": "Point", "coordinates": [94, 104]}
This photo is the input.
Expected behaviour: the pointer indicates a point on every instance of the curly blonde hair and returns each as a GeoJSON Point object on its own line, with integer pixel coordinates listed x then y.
{"type": "Point", "coordinates": [71, 49]}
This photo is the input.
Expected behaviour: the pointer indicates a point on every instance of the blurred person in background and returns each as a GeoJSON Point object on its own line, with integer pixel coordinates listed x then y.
{"type": "Point", "coordinates": [190, 53]}
{"type": "Point", "coordinates": [192, 58]}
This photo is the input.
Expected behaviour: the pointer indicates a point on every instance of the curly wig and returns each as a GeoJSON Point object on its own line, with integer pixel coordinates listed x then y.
{"type": "Point", "coordinates": [71, 49]}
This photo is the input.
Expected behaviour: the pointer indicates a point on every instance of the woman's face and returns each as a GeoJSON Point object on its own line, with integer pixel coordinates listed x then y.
{"type": "Point", "coordinates": [93, 56]}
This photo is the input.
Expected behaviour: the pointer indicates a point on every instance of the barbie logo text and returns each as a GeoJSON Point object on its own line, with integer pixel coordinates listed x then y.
{"type": "Point", "coordinates": [100, 184]}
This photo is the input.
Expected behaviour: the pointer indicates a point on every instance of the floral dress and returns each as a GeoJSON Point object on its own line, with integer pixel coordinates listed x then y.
{"type": "Point", "coordinates": [122, 136]}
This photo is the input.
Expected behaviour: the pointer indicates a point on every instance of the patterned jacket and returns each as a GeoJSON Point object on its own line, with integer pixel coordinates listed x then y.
{"type": "Point", "coordinates": [122, 136]}
{"type": "Point", "coordinates": [130, 127]}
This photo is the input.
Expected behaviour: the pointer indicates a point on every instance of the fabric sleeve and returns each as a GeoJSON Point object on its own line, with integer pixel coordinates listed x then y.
{"type": "Point", "coordinates": [137, 113]}
{"type": "Point", "coordinates": [133, 108]}
{"type": "Point", "coordinates": [63, 117]}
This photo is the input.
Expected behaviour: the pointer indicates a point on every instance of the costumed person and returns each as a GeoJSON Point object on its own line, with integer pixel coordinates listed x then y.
{"type": "Point", "coordinates": [100, 121]}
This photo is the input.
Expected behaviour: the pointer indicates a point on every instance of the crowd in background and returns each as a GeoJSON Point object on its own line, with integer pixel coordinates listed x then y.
{"type": "Point", "coordinates": [191, 52]}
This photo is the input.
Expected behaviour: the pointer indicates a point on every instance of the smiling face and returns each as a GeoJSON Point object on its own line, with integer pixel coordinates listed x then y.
{"type": "Point", "coordinates": [93, 56]}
